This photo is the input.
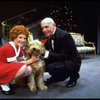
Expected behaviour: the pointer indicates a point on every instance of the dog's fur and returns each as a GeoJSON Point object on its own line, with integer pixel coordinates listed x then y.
{"type": "Point", "coordinates": [35, 79]}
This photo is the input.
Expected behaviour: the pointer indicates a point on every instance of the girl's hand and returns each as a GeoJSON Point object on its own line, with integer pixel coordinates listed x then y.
{"type": "Point", "coordinates": [31, 60]}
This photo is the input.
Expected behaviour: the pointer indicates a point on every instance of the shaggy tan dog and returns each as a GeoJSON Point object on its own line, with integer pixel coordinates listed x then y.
{"type": "Point", "coordinates": [36, 80]}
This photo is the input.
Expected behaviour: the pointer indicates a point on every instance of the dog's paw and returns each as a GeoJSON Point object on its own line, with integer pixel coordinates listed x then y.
{"type": "Point", "coordinates": [32, 89]}
{"type": "Point", "coordinates": [44, 87]}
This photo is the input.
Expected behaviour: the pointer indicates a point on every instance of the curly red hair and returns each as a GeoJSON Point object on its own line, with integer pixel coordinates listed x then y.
{"type": "Point", "coordinates": [17, 30]}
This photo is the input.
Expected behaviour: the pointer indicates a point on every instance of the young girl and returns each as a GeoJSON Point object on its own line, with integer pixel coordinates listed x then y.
{"type": "Point", "coordinates": [12, 60]}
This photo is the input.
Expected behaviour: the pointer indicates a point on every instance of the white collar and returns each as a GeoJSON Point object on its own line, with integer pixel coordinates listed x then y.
{"type": "Point", "coordinates": [54, 31]}
{"type": "Point", "coordinates": [16, 51]}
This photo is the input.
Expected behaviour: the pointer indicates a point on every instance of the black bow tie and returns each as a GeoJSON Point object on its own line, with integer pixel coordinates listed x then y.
{"type": "Point", "coordinates": [51, 42]}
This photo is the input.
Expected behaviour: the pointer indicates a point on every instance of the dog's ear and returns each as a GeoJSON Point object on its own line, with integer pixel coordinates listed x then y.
{"type": "Point", "coordinates": [28, 53]}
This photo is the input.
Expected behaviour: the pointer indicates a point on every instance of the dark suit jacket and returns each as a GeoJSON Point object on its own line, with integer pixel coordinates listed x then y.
{"type": "Point", "coordinates": [64, 50]}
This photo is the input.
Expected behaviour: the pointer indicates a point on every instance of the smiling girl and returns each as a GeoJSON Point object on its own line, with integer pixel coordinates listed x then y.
{"type": "Point", "coordinates": [12, 60]}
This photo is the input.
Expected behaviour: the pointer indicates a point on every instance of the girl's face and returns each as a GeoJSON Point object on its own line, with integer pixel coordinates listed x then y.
{"type": "Point", "coordinates": [20, 40]}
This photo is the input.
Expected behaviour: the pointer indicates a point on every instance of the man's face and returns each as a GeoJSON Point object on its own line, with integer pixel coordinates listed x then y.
{"type": "Point", "coordinates": [47, 29]}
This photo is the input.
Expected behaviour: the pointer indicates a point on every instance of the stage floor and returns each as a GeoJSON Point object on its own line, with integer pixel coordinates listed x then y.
{"type": "Point", "coordinates": [88, 86]}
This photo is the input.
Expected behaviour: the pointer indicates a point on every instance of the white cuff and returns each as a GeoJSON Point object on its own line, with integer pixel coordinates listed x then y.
{"type": "Point", "coordinates": [11, 59]}
{"type": "Point", "coordinates": [46, 54]}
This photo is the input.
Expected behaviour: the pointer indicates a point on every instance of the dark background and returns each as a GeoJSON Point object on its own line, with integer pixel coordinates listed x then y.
{"type": "Point", "coordinates": [85, 13]}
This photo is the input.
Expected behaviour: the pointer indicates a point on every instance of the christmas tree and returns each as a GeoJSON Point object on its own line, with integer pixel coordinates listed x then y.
{"type": "Point", "coordinates": [62, 14]}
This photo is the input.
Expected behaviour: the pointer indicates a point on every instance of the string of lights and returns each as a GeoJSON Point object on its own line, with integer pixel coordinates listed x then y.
{"type": "Point", "coordinates": [62, 14]}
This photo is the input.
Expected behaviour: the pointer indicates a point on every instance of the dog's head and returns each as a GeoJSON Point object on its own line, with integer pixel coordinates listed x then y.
{"type": "Point", "coordinates": [35, 48]}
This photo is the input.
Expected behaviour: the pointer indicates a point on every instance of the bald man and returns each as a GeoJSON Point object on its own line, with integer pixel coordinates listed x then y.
{"type": "Point", "coordinates": [62, 58]}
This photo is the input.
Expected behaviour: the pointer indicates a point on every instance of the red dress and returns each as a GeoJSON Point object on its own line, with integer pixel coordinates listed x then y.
{"type": "Point", "coordinates": [8, 66]}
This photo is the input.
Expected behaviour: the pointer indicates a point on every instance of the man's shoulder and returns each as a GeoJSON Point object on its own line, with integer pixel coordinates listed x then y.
{"type": "Point", "coordinates": [62, 32]}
